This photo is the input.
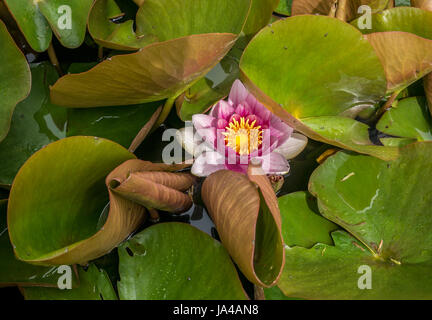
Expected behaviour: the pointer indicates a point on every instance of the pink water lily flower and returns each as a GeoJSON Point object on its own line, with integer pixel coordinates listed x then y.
{"type": "Point", "coordinates": [242, 130]}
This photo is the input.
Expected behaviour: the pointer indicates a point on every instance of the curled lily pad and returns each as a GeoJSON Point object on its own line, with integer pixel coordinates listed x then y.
{"type": "Point", "coordinates": [385, 206]}
{"type": "Point", "coordinates": [15, 272]}
{"type": "Point", "coordinates": [409, 118]}
{"type": "Point", "coordinates": [15, 79]}
{"type": "Point", "coordinates": [35, 123]}
{"type": "Point", "coordinates": [176, 261]}
{"type": "Point", "coordinates": [94, 285]}
{"type": "Point", "coordinates": [151, 74]}
{"type": "Point", "coordinates": [110, 34]}
{"type": "Point", "coordinates": [249, 228]}
{"type": "Point", "coordinates": [153, 186]}
{"type": "Point", "coordinates": [47, 225]}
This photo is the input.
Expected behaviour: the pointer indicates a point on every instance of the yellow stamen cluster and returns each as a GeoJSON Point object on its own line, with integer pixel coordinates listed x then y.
{"type": "Point", "coordinates": [242, 136]}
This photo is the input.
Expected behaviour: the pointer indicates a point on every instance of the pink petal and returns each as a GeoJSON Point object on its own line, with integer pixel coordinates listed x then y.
{"type": "Point", "coordinates": [206, 164]}
{"type": "Point", "coordinates": [274, 163]}
{"type": "Point", "coordinates": [262, 112]}
{"type": "Point", "coordinates": [243, 109]}
{"type": "Point", "coordinates": [203, 121]}
{"type": "Point", "coordinates": [222, 110]}
{"type": "Point", "coordinates": [293, 146]}
{"type": "Point", "coordinates": [222, 124]}
{"type": "Point", "coordinates": [238, 93]}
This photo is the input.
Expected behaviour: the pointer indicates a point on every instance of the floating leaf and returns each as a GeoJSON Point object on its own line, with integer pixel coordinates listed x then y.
{"type": "Point", "coordinates": [344, 10]}
{"type": "Point", "coordinates": [415, 51]}
{"type": "Point", "coordinates": [31, 23]}
{"type": "Point", "coordinates": [171, 19]}
{"type": "Point", "coordinates": [409, 118]}
{"type": "Point", "coordinates": [386, 206]}
{"type": "Point", "coordinates": [299, 209]}
{"type": "Point", "coordinates": [314, 84]}
{"type": "Point", "coordinates": [422, 4]}
{"type": "Point", "coordinates": [68, 21]}
{"type": "Point", "coordinates": [35, 123]}
{"type": "Point", "coordinates": [94, 285]}
{"type": "Point", "coordinates": [49, 226]}
{"type": "Point", "coordinates": [15, 272]}
{"type": "Point", "coordinates": [284, 7]}
{"type": "Point", "coordinates": [245, 212]}
{"type": "Point", "coordinates": [151, 74]}
{"type": "Point", "coordinates": [109, 34]}
{"type": "Point", "coordinates": [259, 16]}
{"type": "Point", "coordinates": [15, 79]}
{"type": "Point", "coordinates": [176, 261]}
{"type": "Point", "coordinates": [189, 28]}
{"type": "Point", "coordinates": [301, 94]}
{"type": "Point", "coordinates": [404, 19]}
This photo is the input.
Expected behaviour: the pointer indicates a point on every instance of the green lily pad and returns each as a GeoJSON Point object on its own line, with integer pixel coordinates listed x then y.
{"type": "Point", "coordinates": [396, 142]}
{"type": "Point", "coordinates": [284, 7]}
{"type": "Point", "coordinates": [409, 118]}
{"type": "Point", "coordinates": [260, 14]}
{"type": "Point", "coordinates": [413, 20]}
{"type": "Point", "coordinates": [314, 84]}
{"type": "Point", "coordinates": [36, 18]}
{"type": "Point", "coordinates": [350, 134]}
{"type": "Point", "coordinates": [49, 226]}
{"type": "Point", "coordinates": [335, 86]}
{"type": "Point", "coordinates": [174, 261]}
{"type": "Point", "coordinates": [70, 33]}
{"type": "Point", "coordinates": [151, 74]}
{"type": "Point", "coordinates": [189, 28]}
{"type": "Point", "coordinates": [94, 285]}
{"type": "Point", "coordinates": [171, 19]}
{"type": "Point", "coordinates": [110, 34]}
{"type": "Point", "coordinates": [14, 272]}
{"type": "Point", "coordinates": [343, 10]}
{"type": "Point", "coordinates": [386, 206]}
{"type": "Point", "coordinates": [113, 123]}
{"type": "Point", "coordinates": [302, 225]}
{"type": "Point", "coordinates": [15, 79]}
{"type": "Point", "coordinates": [35, 123]}
{"type": "Point", "coordinates": [32, 23]}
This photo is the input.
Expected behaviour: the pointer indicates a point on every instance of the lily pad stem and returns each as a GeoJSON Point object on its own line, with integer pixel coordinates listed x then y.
{"type": "Point", "coordinates": [165, 112]}
{"type": "Point", "coordinates": [53, 58]}
{"type": "Point", "coordinates": [388, 104]}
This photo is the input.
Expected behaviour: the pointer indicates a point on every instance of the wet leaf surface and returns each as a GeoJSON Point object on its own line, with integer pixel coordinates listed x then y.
{"type": "Point", "coordinates": [176, 261]}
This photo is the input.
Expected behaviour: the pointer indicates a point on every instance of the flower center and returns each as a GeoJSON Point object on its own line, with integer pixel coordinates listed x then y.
{"type": "Point", "coordinates": [242, 136]}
